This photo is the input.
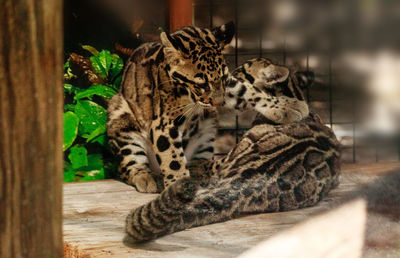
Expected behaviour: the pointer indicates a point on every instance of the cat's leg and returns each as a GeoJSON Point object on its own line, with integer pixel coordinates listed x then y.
{"type": "Point", "coordinates": [201, 138]}
{"type": "Point", "coordinates": [132, 147]}
{"type": "Point", "coordinates": [166, 137]}
{"type": "Point", "coordinates": [255, 84]}
{"type": "Point", "coordinates": [199, 150]}
{"type": "Point", "coordinates": [135, 166]}
{"type": "Point", "coordinates": [241, 95]}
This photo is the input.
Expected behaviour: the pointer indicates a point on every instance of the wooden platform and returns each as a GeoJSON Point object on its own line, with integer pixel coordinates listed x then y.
{"type": "Point", "coordinates": [94, 214]}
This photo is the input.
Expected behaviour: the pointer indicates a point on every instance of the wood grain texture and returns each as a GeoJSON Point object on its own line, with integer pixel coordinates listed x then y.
{"type": "Point", "coordinates": [94, 216]}
{"type": "Point", "coordinates": [30, 128]}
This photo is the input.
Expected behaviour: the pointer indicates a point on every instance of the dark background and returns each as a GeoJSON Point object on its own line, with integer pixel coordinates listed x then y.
{"type": "Point", "coordinates": [352, 47]}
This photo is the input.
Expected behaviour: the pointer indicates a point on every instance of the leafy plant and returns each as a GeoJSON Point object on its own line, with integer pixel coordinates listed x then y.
{"type": "Point", "coordinates": [86, 153]}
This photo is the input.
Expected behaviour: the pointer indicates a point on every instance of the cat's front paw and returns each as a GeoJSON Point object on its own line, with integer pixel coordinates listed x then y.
{"type": "Point", "coordinates": [285, 110]}
{"type": "Point", "coordinates": [144, 182]}
{"type": "Point", "coordinates": [295, 111]}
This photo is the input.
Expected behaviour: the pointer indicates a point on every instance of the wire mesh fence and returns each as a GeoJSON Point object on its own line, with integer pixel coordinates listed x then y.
{"type": "Point", "coordinates": [299, 36]}
{"type": "Point", "coordinates": [334, 39]}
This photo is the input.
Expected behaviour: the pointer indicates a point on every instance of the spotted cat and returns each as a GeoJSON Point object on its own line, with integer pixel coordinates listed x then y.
{"type": "Point", "coordinates": [273, 168]}
{"type": "Point", "coordinates": [164, 116]}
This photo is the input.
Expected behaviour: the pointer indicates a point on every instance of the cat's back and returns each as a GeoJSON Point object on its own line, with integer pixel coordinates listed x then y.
{"type": "Point", "coordinates": [139, 68]}
{"type": "Point", "coordinates": [146, 54]}
{"type": "Point", "coordinates": [136, 96]}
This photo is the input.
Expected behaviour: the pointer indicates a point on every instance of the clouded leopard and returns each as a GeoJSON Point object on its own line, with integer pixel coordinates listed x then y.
{"type": "Point", "coordinates": [273, 168]}
{"type": "Point", "coordinates": [164, 117]}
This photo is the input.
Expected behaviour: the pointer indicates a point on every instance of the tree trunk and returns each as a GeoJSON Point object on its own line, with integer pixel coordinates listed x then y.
{"type": "Point", "coordinates": [30, 128]}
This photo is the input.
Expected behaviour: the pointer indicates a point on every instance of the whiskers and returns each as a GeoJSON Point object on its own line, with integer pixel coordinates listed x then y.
{"type": "Point", "coordinates": [188, 111]}
{"type": "Point", "coordinates": [197, 109]}
{"type": "Point", "coordinates": [179, 108]}
{"type": "Point", "coordinates": [165, 81]}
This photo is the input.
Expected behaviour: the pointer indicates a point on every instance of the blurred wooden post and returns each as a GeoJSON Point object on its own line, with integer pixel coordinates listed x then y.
{"type": "Point", "coordinates": [31, 102]}
{"type": "Point", "coordinates": [180, 14]}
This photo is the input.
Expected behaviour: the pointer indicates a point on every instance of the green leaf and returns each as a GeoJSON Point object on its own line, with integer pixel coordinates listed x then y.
{"type": "Point", "coordinates": [102, 63]}
{"type": "Point", "coordinates": [101, 139]}
{"type": "Point", "coordinates": [69, 107]}
{"type": "Point", "coordinates": [71, 123]}
{"type": "Point", "coordinates": [117, 82]}
{"type": "Point", "coordinates": [67, 165]}
{"type": "Point", "coordinates": [116, 66]}
{"type": "Point", "coordinates": [105, 59]}
{"type": "Point", "coordinates": [68, 75]}
{"type": "Point", "coordinates": [99, 90]}
{"type": "Point", "coordinates": [87, 119]}
{"type": "Point", "coordinates": [95, 174]}
{"type": "Point", "coordinates": [95, 161]}
{"type": "Point", "coordinates": [91, 49]}
{"type": "Point", "coordinates": [91, 116]}
{"type": "Point", "coordinates": [66, 65]}
{"type": "Point", "coordinates": [69, 176]}
{"type": "Point", "coordinates": [94, 170]}
{"type": "Point", "coordinates": [98, 131]}
{"type": "Point", "coordinates": [69, 88]}
{"type": "Point", "coordinates": [98, 68]}
{"type": "Point", "coordinates": [78, 157]}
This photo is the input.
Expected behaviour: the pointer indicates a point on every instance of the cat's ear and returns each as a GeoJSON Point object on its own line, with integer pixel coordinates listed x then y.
{"type": "Point", "coordinates": [171, 52]}
{"type": "Point", "coordinates": [224, 34]}
{"type": "Point", "coordinates": [275, 74]}
{"type": "Point", "coordinates": [167, 40]}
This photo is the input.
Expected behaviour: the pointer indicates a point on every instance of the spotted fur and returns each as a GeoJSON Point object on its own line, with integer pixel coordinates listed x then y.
{"type": "Point", "coordinates": [273, 168]}
{"type": "Point", "coordinates": [270, 89]}
{"type": "Point", "coordinates": [164, 117]}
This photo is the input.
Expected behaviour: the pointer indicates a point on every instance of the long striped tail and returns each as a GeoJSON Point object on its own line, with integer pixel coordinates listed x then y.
{"type": "Point", "coordinates": [184, 205]}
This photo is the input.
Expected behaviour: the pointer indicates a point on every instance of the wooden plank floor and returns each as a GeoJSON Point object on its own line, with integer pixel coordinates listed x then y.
{"type": "Point", "coordinates": [94, 214]}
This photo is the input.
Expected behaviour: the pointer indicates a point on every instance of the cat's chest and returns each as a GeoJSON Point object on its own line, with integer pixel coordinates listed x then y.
{"type": "Point", "coordinates": [191, 127]}
{"type": "Point", "coordinates": [198, 123]}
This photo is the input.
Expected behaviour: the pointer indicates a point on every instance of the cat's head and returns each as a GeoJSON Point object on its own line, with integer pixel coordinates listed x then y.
{"type": "Point", "coordinates": [195, 60]}
{"type": "Point", "coordinates": [275, 80]}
